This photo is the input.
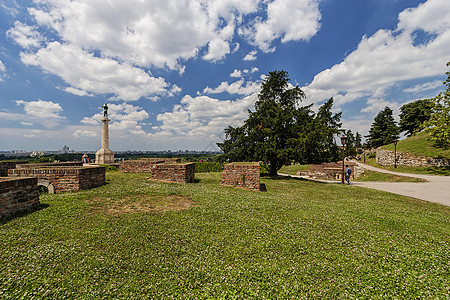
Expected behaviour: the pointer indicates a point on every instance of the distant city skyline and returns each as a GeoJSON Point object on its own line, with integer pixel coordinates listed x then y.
{"type": "Point", "coordinates": [175, 73]}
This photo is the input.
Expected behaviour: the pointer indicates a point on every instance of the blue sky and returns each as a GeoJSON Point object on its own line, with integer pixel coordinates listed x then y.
{"type": "Point", "coordinates": [176, 73]}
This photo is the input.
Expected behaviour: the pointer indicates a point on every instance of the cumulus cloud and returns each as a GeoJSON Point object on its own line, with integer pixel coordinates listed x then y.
{"type": "Point", "coordinates": [250, 56]}
{"type": "Point", "coordinates": [24, 35]}
{"type": "Point", "coordinates": [45, 113]}
{"type": "Point", "coordinates": [84, 133]}
{"type": "Point", "coordinates": [388, 57]}
{"type": "Point", "coordinates": [300, 23]}
{"type": "Point", "coordinates": [87, 73]}
{"type": "Point", "coordinates": [237, 87]}
{"type": "Point", "coordinates": [204, 116]}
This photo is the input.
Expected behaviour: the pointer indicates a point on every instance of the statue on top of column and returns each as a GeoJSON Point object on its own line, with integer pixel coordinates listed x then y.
{"type": "Point", "coordinates": [105, 110]}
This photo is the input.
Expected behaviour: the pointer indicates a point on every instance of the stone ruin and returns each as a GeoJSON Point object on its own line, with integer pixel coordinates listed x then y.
{"type": "Point", "coordinates": [387, 157]}
{"type": "Point", "coordinates": [62, 177]}
{"type": "Point", "coordinates": [165, 169]}
{"type": "Point", "coordinates": [17, 194]}
{"type": "Point", "coordinates": [332, 171]}
{"type": "Point", "coordinates": [239, 174]}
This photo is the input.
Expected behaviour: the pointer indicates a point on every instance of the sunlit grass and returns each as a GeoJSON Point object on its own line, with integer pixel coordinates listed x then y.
{"type": "Point", "coordinates": [299, 239]}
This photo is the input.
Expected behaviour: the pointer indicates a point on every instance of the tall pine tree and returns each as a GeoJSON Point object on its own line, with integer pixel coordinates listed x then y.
{"type": "Point", "coordinates": [384, 129]}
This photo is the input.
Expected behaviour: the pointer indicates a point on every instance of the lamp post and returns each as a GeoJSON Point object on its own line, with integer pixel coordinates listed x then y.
{"type": "Point", "coordinates": [364, 151]}
{"type": "Point", "coordinates": [343, 142]}
{"type": "Point", "coordinates": [395, 153]}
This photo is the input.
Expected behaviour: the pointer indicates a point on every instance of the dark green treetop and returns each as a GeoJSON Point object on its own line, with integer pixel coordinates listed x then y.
{"type": "Point", "coordinates": [414, 114]}
{"type": "Point", "coordinates": [384, 129]}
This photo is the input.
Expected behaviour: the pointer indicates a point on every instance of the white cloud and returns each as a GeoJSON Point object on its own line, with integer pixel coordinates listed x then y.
{"type": "Point", "coordinates": [217, 49]}
{"type": "Point", "coordinates": [2, 70]}
{"type": "Point", "coordinates": [236, 87]}
{"type": "Point", "coordinates": [46, 113]}
{"type": "Point", "coordinates": [424, 87]}
{"type": "Point", "coordinates": [290, 20]}
{"type": "Point", "coordinates": [24, 35]}
{"type": "Point", "coordinates": [387, 58]}
{"type": "Point", "coordinates": [204, 116]}
{"type": "Point", "coordinates": [41, 109]}
{"type": "Point", "coordinates": [84, 133]}
{"type": "Point", "coordinates": [250, 56]}
{"type": "Point", "coordinates": [236, 73]}
{"type": "Point", "coordinates": [89, 74]}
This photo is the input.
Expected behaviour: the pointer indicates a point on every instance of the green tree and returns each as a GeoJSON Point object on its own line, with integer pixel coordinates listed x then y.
{"type": "Point", "coordinates": [439, 123]}
{"type": "Point", "coordinates": [383, 130]}
{"type": "Point", "coordinates": [414, 114]}
{"type": "Point", "coordinates": [280, 131]}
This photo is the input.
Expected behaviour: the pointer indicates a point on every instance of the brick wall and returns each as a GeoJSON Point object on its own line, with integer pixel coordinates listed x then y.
{"type": "Point", "coordinates": [386, 158]}
{"type": "Point", "coordinates": [245, 175]}
{"type": "Point", "coordinates": [65, 178]}
{"type": "Point", "coordinates": [6, 165]}
{"type": "Point", "coordinates": [144, 165]}
{"type": "Point", "coordinates": [177, 172]}
{"type": "Point", "coordinates": [17, 194]}
{"type": "Point", "coordinates": [54, 164]}
{"type": "Point", "coordinates": [332, 170]}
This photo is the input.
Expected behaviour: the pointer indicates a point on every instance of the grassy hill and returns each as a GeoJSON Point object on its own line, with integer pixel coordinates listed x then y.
{"type": "Point", "coordinates": [129, 240]}
{"type": "Point", "coordinates": [419, 145]}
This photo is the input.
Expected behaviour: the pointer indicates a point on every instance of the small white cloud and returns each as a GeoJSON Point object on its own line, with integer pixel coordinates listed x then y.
{"type": "Point", "coordinates": [77, 92]}
{"type": "Point", "coordinates": [41, 109]}
{"type": "Point", "coordinates": [25, 36]}
{"type": "Point", "coordinates": [84, 133]}
{"type": "Point", "coordinates": [236, 74]}
{"type": "Point", "coordinates": [424, 87]}
{"type": "Point", "coordinates": [250, 56]}
{"type": "Point", "coordinates": [217, 49]}
{"type": "Point", "coordinates": [236, 87]}
{"type": "Point", "coordinates": [26, 123]}
{"type": "Point", "coordinates": [2, 70]}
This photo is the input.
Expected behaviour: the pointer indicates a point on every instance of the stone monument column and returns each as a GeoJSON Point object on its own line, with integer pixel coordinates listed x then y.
{"type": "Point", "coordinates": [104, 155]}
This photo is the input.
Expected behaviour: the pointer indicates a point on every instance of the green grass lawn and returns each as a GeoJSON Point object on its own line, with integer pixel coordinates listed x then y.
{"type": "Point", "coordinates": [293, 169]}
{"type": "Point", "coordinates": [300, 239]}
{"type": "Point", "coordinates": [419, 145]}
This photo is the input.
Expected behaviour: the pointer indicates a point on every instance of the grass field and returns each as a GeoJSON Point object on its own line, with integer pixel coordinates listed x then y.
{"type": "Point", "coordinates": [139, 239]}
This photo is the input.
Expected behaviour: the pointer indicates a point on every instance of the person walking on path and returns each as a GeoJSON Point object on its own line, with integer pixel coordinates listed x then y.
{"type": "Point", "coordinates": [348, 173]}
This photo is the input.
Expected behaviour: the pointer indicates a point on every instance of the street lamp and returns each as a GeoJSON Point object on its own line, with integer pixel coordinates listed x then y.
{"type": "Point", "coordinates": [343, 142]}
{"type": "Point", "coordinates": [364, 151]}
{"type": "Point", "coordinates": [395, 153]}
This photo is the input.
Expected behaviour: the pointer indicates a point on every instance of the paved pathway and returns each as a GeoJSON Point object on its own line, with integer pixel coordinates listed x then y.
{"type": "Point", "coordinates": [436, 189]}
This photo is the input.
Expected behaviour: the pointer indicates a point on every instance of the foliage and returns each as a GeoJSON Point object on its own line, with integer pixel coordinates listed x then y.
{"type": "Point", "coordinates": [204, 167]}
{"type": "Point", "coordinates": [383, 129]}
{"type": "Point", "coordinates": [279, 131]}
{"type": "Point", "coordinates": [439, 123]}
{"type": "Point", "coordinates": [419, 144]}
{"type": "Point", "coordinates": [297, 240]}
{"type": "Point", "coordinates": [413, 115]}
{"type": "Point", "coordinates": [110, 168]}
{"type": "Point", "coordinates": [352, 144]}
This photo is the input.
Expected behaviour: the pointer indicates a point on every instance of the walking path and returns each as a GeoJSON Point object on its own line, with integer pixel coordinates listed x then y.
{"type": "Point", "coordinates": [436, 189]}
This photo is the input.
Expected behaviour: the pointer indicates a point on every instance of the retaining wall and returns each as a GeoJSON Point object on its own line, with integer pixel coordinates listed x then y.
{"type": "Point", "coordinates": [54, 164]}
{"type": "Point", "coordinates": [144, 165]}
{"type": "Point", "coordinates": [245, 175]}
{"type": "Point", "coordinates": [65, 178]}
{"type": "Point", "coordinates": [386, 158]}
{"type": "Point", "coordinates": [17, 194]}
{"type": "Point", "coordinates": [6, 165]}
{"type": "Point", "coordinates": [177, 172]}
{"type": "Point", "coordinates": [332, 170]}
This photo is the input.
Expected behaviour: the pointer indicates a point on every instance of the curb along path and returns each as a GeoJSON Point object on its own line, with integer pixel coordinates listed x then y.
{"type": "Point", "coordinates": [436, 189]}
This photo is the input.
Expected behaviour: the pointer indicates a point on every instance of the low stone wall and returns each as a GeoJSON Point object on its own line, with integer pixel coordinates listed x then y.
{"type": "Point", "coordinates": [386, 158]}
{"type": "Point", "coordinates": [144, 165]}
{"type": "Point", "coordinates": [6, 165]}
{"type": "Point", "coordinates": [332, 170]}
{"type": "Point", "coordinates": [245, 175]}
{"type": "Point", "coordinates": [54, 164]}
{"type": "Point", "coordinates": [177, 172]}
{"type": "Point", "coordinates": [17, 194]}
{"type": "Point", "coordinates": [62, 179]}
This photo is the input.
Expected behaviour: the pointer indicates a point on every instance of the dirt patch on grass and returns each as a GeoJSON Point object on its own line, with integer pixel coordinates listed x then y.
{"type": "Point", "coordinates": [140, 203]}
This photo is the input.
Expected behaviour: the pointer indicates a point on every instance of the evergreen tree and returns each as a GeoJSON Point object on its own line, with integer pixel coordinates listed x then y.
{"type": "Point", "coordinates": [279, 131]}
{"type": "Point", "coordinates": [383, 130]}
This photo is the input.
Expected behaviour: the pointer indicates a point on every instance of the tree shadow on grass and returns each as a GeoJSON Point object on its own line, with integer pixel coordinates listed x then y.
{"type": "Point", "coordinates": [23, 213]}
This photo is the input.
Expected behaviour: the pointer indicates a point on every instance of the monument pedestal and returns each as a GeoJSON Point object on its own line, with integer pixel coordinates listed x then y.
{"type": "Point", "coordinates": [104, 155]}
